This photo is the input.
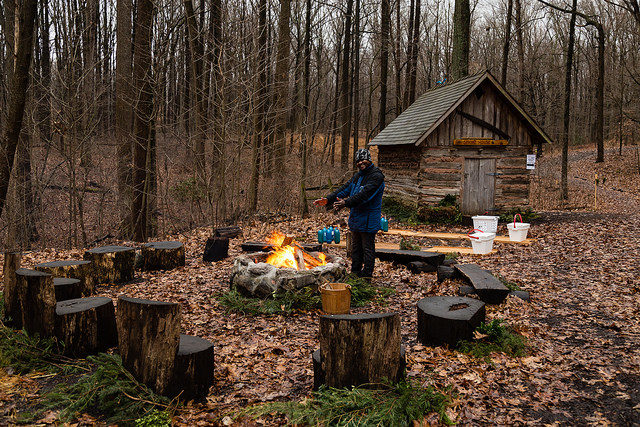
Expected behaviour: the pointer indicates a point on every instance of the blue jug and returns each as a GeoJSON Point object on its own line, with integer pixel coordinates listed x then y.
{"type": "Point", "coordinates": [384, 224]}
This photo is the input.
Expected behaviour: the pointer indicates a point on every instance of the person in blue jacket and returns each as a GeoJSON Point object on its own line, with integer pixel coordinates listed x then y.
{"type": "Point", "coordinates": [363, 195]}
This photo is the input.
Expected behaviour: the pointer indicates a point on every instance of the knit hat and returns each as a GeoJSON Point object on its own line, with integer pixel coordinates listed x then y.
{"type": "Point", "coordinates": [363, 154]}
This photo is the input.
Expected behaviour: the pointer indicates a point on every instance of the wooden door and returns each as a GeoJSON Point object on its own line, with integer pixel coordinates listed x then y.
{"type": "Point", "coordinates": [479, 186]}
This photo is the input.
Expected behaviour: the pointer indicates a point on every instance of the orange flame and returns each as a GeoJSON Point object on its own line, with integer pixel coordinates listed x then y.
{"type": "Point", "coordinates": [290, 255]}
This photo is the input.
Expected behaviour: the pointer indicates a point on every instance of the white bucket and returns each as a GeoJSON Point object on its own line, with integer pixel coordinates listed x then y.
{"type": "Point", "coordinates": [486, 223]}
{"type": "Point", "coordinates": [481, 242]}
{"type": "Point", "coordinates": [518, 231]}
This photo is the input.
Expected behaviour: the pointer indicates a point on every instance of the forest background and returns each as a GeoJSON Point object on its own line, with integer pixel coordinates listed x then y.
{"type": "Point", "coordinates": [134, 118]}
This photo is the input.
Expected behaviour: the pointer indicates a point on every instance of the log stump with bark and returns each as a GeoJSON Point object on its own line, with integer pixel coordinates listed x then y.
{"type": "Point", "coordinates": [359, 349]}
{"type": "Point", "coordinates": [163, 256]}
{"type": "Point", "coordinates": [37, 301]}
{"type": "Point", "coordinates": [11, 298]}
{"type": "Point", "coordinates": [228, 232]}
{"type": "Point", "coordinates": [66, 288]}
{"type": "Point", "coordinates": [148, 340]}
{"type": "Point", "coordinates": [112, 264]}
{"type": "Point", "coordinates": [216, 249]}
{"type": "Point", "coordinates": [86, 325]}
{"type": "Point", "coordinates": [73, 269]}
{"type": "Point", "coordinates": [193, 370]}
{"type": "Point", "coordinates": [448, 319]}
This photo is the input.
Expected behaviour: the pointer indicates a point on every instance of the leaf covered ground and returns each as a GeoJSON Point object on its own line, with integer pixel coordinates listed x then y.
{"type": "Point", "coordinates": [581, 323]}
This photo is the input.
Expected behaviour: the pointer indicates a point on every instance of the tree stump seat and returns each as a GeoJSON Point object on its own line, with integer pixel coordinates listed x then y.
{"type": "Point", "coordinates": [73, 269]}
{"type": "Point", "coordinates": [148, 340]}
{"type": "Point", "coordinates": [37, 301]}
{"type": "Point", "coordinates": [488, 288]}
{"type": "Point", "coordinates": [163, 255]}
{"type": "Point", "coordinates": [112, 264]}
{"type": "Point", "coordinates": [66, 288]}
{"type": "Point", "coordinates": [216, 249]}
{"type": "Point", "coordinates": [12, 311]}
{"type": "Point", "coordinates": [358, 349]}
{"type": "Point", "coordinates": [86, 325]}
{"type": "Point", "coordinates": [448, 319]}
{"type": "Point", "coordinates": [193, 369]}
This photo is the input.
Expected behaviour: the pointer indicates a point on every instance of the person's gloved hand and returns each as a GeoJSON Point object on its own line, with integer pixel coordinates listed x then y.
{"type": "Point", "coordinates": [338, 204]}
{"type": "Point", "coordinates": [320, 202]}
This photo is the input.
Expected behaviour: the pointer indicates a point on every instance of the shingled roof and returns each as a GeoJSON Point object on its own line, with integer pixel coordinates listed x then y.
{"type": "Point", "coordinates": [427, 112]}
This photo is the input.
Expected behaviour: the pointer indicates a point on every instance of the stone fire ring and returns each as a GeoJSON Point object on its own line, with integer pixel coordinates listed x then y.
{"type": "Point", "coordinates": [254, 277]}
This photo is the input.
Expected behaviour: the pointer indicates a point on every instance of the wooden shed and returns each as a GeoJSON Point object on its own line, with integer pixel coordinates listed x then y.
{"type": "Point", "coordinates": [468, 138]}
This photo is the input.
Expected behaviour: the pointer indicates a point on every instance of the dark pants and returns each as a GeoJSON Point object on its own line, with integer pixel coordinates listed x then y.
{"type": "Point", "coordinates": [363, 253]}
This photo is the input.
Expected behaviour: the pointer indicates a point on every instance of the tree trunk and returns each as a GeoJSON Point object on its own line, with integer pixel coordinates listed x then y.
{"type": "Point", "coordinates": [81, 270]}
{"type": "Point", "coordinates": [258, 139]}
{"type": "Point", "coordinates": [162, 256]}
{"type": "Point", "coordinates": [384, 61]}
{"type": "Point", "coordinates": [17, 94]}
{"type": "Point", "coordinates": [507, 43]}
{"type": "Point", "coordinates": [355, 77]}
{"type": "Point", "coordinates": [412, 58]}
{"type": "Point", "coordinates": [281, 85]}
{"type": "Point", "coordinates": [567, 106]}
{"type": "Point", "coordinates": [345, 107]}
{"type": "Point", "coordinates": [10, 293]}
{"type": "Point", "coordinates": [124, 115]}
{"type": "Point", "coordinates": [461, 39]}
{"type": "Point", "coordinates": [148, 340]}
{"type": "Point", "coordinates": [45, 73]}
{"type": "Point", "coordinates": [360, 349]}
{"type": "Point", "coordinates": [143, 115]}
{"type": "Point", "coordinates": [37, 301]}
{"type": "Point", "coordinates": [520, 43]}
{"type": "Point", "coordinates": [599, 125]}
{"type": "Point", "coordinates": [306, 142]}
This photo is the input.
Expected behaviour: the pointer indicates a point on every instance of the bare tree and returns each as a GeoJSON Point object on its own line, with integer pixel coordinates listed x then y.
{"type": "Point", "coordinates": [385, 22]}
{"type": "Point", "coordinates": [461, 39]}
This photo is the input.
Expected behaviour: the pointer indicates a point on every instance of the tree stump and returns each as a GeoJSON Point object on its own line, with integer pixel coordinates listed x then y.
{"type": "Point", "coordinates": [216, 249]}
{"type": "Point", "coordinates": [37, 301]}
{"type": "Point", "coordinates": [66, 288]}
{"type": "Point", "coordinates": [360, 349]}
{"type": "Point", "coordinates": [112, 264]}
{"type": "Point", "coordinates": [148, 339]}
{"type": "Point", "coordinates": [73, 269]}
{"type": "Point", "coordinates": [86, 325]}
{"type": "Point", "coordinates": [10, 293]}
{"type": "Point", "coordinates": [448, 319]}
{"type": "Point", "coordinates": [193, 369]}
{"type": "Point", "coordinates": [162, 256]}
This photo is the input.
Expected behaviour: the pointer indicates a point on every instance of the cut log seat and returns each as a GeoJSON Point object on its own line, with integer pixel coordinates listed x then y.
{"type": "Point", "coordinates": [163, 255]}
{"type": "Point", "coordinates": [74, 269]}
{"type": "Point", "coordinates": [112, 264]}
{"type": "Point", "coordinates": [216, 249]}
{"type": "Point", "coordinates": [86, 325]}
{"type": "Point", "coordinates": [227, 232]}
{"type": "Point", "coordinates": [405, 257]}
{"type": "Point", "coordinates": [66, 288]}
{"type": "Point", "coordinates": [488, 288]}
{"type": "Point", "coordinates": [359, 349]}
{"type": "Point", "coordinates": [37, 301]}
{"type": "Point", "coordinates": [448, 319]}
{"type": "Point", "coordinates": [193, 369]}
{"type": "Point", "coordinates": [148, 339]}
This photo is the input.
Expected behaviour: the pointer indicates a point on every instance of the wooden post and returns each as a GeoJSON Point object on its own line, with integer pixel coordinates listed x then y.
{"type": "Point", "coordinates": [11, 302]}
{"type": "Point", "coordinates": [37, 301]}
{"type": "Point", "coordinates": [148, 339]}
{"type": "Point", "coordinates": [360, 349]}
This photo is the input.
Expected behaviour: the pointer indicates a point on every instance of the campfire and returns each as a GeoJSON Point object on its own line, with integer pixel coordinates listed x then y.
{"type": "Point", "coordinates": [286, 267]}
{"type": "Point", "coordinates": [287, 253]}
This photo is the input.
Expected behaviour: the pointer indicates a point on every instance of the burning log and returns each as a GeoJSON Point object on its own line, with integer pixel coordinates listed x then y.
{"type": "Point", "coordinates": [299, 254]}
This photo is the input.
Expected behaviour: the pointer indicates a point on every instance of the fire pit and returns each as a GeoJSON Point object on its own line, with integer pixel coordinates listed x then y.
{"type": "Point", "coordinates": [287, 268]}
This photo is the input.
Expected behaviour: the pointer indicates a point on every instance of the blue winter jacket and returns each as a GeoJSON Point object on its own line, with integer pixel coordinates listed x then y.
{"type": "Point", "coordinates": [363, 195]}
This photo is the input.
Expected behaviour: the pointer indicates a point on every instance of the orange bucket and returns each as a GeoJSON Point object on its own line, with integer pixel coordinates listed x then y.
{"type": "Point", "coordinates": [336, 298]}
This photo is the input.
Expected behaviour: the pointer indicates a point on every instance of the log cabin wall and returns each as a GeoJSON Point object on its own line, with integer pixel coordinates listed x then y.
{"type": "Point", "coordinates": [427, 173]}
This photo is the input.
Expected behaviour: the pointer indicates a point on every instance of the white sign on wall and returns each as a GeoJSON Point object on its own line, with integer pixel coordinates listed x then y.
{"type": "Point", "coordinates": [531, 161]}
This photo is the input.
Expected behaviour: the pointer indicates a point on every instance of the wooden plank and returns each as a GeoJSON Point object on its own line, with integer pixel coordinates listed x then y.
{"type": "Point", "coordinates": [449, 236]}
{"type": "Point", "coordinates": [487, 286]}
{"type": "Point", "coordinates": [455, 250]}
